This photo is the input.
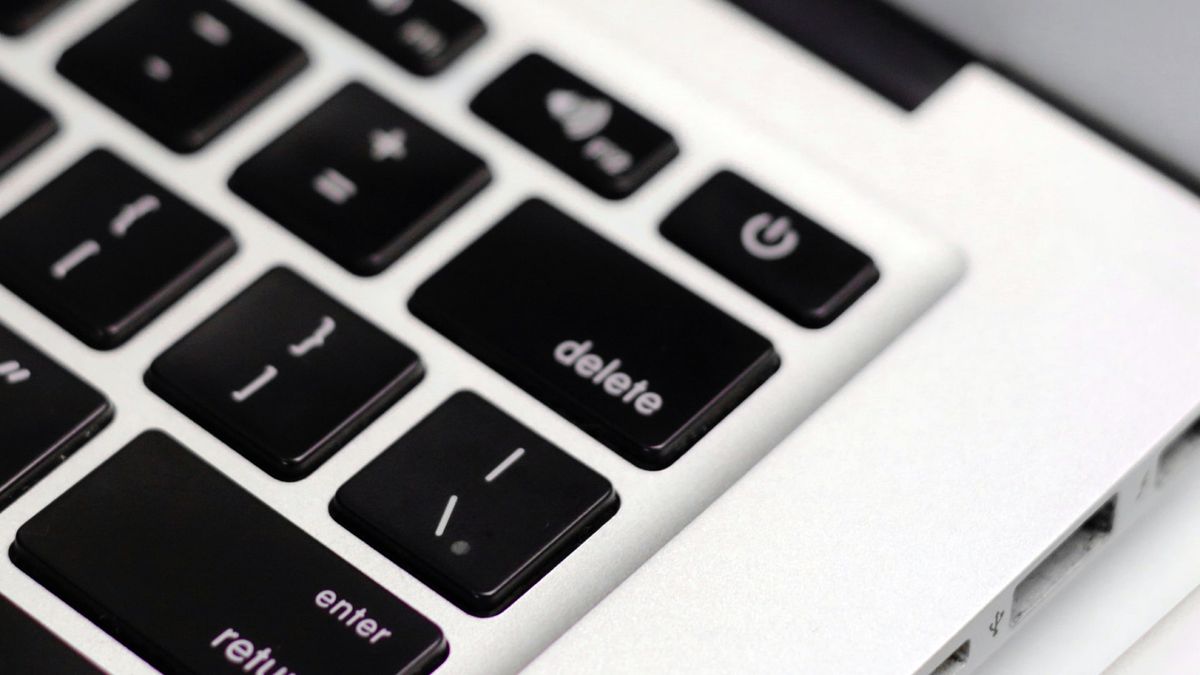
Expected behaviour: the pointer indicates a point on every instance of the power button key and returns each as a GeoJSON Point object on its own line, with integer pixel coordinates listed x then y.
{"type": "Point", "coordinates": [768, 248]}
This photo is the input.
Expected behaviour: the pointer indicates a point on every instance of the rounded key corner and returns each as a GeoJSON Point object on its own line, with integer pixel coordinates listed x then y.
{"type": "Point", "coordinates": [407, 380]}
{"type": "Point", "coordinates": [825, 315]}
{"type": "Point", "coordinates": [290, 471]}
{"type": "Point", "coordinates": [104, 415]}
{"type": "Point", "coordinates": [153, 434]}
{"type": "Point", "coordinates": [433, 657]}
{"type": "Point", "coordinates": [336, 509]}
{"type": "Point", "coordinates": [105, 340]}
{"type": "Point", "coordinates": [103, 153]}
{"type": "Point", "coordinates": [439, 653]}
{"type": "Point", "coordinates": [224, 251]}
{"type": "Point", "coordinates": [186, 144]}
{"type": "Point", "coordinates": [47, 129]}
{"type": "Point", "coordinates": [154, 380]}
{"type": "Point", "coordinates": [298, 62]}
{"type": "Point", "coordinates": [17, 554]}
{"type": "Point", "coordinates": [468, 395]}
{"type": "Point", "coordinates": [370, 266]}
{"type": "Point", "coordinates": [278, 270]}
{"type": "Point", "coordinates": [654, 462]}
{"type": "Point", "coordinates": [484, 607]}
{"type": "Point", "coordinates": [66, 63]}
{"type": "Point", "coordinates": [605, 508]}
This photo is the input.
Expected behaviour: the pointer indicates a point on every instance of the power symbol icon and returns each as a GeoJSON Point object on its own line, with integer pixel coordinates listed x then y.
{"type": "Point", "coordinates": [767, 237]}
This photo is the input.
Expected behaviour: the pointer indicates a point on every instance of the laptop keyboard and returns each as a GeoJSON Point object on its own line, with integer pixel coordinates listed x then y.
{"type": "Point", "coordinates": [421, 36]}
{"type": "Point", "coordinates": [24, 125]}
{"type": "Point", "coordinates": [155, 527]}
{"type": "Point", "coordinates": [341, 164]}
{"type": "Point", "coordinates": [47, 414]}
{"type": "Point", "coordinates": [182, 70]}
{"type": "Point", "coordinates": [595, 334]}
{"type": "Point", "coordinates": [602, 144]}
{"type": "Point", "coordinates": [284, 374]}
{"type": "Point", "coordinates": [795, 265]}
{"type": "Point", "coordinates": [503, 504]}
{"type": "Point", "coordinates": [103, 249]}
{"type": "Point", "coordinates": [482, 377]}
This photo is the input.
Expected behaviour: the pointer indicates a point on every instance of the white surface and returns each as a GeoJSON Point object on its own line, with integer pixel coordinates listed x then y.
{"type": "Point", "coordinates": [1171, 646]}
{"type": "Point", "coordinates": [1110, 605]}
{"type": "Point", "coordinates": [1130, 64]}
{"type": "Point", "coordinates": [916, 268]}
{"type": "Point", "coordinates": [895, 522]}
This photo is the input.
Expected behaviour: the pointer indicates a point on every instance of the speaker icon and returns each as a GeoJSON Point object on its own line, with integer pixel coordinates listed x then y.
{"type": "Point", "coordinates": [581, 117]}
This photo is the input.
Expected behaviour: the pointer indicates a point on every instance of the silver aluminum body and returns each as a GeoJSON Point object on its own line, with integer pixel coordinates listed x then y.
{"type": "Point", "coordinates": [893, 520]}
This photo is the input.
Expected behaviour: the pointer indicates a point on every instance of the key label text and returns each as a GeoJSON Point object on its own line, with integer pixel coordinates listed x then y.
{"type": "Point", "coordinates": [577, 355]}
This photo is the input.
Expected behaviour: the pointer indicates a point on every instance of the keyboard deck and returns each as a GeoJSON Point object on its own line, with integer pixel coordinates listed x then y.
{"type": "Point", "coordinates": [334, 252]}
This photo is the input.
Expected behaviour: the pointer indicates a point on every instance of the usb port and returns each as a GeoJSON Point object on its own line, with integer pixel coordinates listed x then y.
{"type": "Point", "coordinates": [955, 662]}
{"type": "Point", "coordinates": [1179, 453]}
{"type": "Point", "coordinates": [1037, 585]}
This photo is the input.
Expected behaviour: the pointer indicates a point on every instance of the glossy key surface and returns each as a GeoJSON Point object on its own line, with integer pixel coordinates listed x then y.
{"type": "Point", "coordinates": [627, 354]}
{"type": "Point", "coordinates": [284, 374]}
{"type": "Point", "coordinates": [196, 575]}
{"type": "Point", "coordinates": [182, 70]}
{"type": "Point", "coordinates": [772, 250]}
{"type": "Point", "coordinates": [24, 125]}
{"type": "Point", "coordinates": [46, 413]}
{"type": "Point", "coordinates": [421, 36]}
{"type": "Point", "coordinates": [586, 133]}
{"type": "Point", "coordinates": [475, 504]}
{"type": "Point", "coordinates": [360, 179]}
{"type": "Point", "coordinates": [103, 249]}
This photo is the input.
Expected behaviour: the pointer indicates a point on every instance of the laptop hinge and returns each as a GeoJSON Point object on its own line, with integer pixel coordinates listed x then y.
{"type": "Point", "coordinates": [876, 44]}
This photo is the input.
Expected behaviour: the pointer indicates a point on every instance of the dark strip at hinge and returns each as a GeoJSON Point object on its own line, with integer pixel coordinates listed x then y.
{"type": "Point", "coordinates": [874, 43]}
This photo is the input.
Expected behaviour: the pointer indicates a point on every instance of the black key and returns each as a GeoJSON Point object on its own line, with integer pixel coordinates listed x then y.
{"type": "Point", "coordinates": [360, 180]}
{"type": "Point", "coordinates": [27, 647]}
{"type": "Point", "coordinates": [46, 413]}
{"type": "Point", "coordinates": [584, 132]}
{"type": "Point", "coordinates": [627, 354]}
{"type": "Point", "coordinates": [475, 504]}
{"type": "Point", "coordinates": [770, 249]}
{"type": "Point", "coordinates": [182, 70]}
{"type": "Point", "coordinates": [103, 249]}
{"type": "Point", "coordinates": [24, 125]}
{"type": "Point", "coordinates": [197, 576]}
{"type": "Point", "coordinates": [284, 374]}
{"type": "Point", "coordinates": [18, 16]}
{"type": "Point", "coordinates": [421, 36]}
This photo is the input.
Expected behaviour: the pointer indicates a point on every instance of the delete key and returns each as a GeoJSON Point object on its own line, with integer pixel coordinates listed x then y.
{"type": "Point", "coordinates": [624, 352]}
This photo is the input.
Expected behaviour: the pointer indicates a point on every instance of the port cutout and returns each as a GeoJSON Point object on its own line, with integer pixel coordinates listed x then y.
{"type": "Point", "coordinates": [956, 661]}
{"type": "Point", "coordinates": [1038, 583]}
{"type": "Point", "coordinates": [1181, 452]}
